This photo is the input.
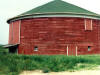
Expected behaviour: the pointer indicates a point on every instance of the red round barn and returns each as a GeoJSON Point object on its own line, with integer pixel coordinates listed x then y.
{"type": "Point", "coordinates": [57, 27]}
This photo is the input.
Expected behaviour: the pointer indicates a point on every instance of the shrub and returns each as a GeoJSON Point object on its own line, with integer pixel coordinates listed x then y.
{"type": "Point", "coordinates": [11, 64]}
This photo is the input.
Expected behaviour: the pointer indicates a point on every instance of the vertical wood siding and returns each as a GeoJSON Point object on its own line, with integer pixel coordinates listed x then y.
{"type": "Point", "coordinates": [14, 32]}
{"type": "Point", "coordinates": [53, 35]}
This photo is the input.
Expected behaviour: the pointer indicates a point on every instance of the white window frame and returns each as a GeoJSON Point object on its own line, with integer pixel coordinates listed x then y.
{"type": "Point", "coordinates": [91, 24]}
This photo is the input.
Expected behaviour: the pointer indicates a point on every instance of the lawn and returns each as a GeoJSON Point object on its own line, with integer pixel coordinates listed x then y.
{"type": "Point", "coordinates": [13, 64]}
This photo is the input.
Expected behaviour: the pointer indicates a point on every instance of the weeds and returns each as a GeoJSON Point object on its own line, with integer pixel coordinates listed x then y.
{"type": "Point", "coordinates": [13, 64]}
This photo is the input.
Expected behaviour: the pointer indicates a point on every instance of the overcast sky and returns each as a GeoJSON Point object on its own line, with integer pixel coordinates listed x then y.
{"type": "Point", "coordinates": [11, 8]}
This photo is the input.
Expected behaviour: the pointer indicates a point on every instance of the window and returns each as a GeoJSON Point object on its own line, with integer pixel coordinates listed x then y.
{"type": "Point", "coordinates": [88, 24]}
{"type": "Point", "coordinates": [35, 48]}
{"type": "Point", "coordinates": [89, 48]}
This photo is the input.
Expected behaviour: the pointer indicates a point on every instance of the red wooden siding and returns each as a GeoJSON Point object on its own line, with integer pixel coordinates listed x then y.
{"type": "Point", "coordinates": [88, 24]}
{"type": "Point", "coordinates": [14, 32]}
{"type": "Point", "coordinates": [10, 34]}
{"type": "Point", "coordinates": [72, 49]}
{"type": "Point", "coordinates": [16, 29]}
{"type": "Point", "coordinates": [52, 35]}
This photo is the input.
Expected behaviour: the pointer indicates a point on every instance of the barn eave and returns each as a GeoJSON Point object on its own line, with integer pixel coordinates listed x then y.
{"type": "Point", "coordinates": [10, 45]}
{"type": "Point", "coordinates": [56, 14]}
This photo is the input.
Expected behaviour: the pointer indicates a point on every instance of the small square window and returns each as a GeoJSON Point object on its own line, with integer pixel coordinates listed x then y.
{"type": "Point", "coordinates": [89, 48]}
{"type": "Point", "coordinates": [35, 48]}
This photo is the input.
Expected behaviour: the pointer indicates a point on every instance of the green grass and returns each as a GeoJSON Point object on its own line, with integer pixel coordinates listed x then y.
{"type": "Point", "coordinates": [13, 64]}
{"type": "Point", "coordinates": [3, 50]}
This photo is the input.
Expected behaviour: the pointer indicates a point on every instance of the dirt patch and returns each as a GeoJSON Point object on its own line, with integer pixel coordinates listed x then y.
{"type": "Point", "coordinates": [84, 72]}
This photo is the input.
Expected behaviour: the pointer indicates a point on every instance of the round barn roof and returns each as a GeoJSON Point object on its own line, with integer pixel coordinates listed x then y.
{"type": "Point", "coordinates": [57, 8]}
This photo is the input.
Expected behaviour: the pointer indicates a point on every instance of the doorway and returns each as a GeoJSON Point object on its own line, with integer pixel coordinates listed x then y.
{"type": "Point", "coordinates": [72, 50]}
{"type": "Point", "coordinates": [13, 49]}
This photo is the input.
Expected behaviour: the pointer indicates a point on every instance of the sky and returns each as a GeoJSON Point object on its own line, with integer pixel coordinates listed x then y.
{"type": "Point", "coordinates": [11, 8]}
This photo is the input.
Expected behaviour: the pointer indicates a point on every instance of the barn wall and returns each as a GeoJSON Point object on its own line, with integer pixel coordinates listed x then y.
{"type": "Point", "coordinates": [14, 31]}
{"type": "Point", "coordinates": [10, 33]}
{"type": "Point", "coordinates": [54, 35]}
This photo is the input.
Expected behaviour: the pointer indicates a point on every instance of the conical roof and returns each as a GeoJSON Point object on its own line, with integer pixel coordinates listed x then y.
{"type": "Point", "coordinates": [57, 7]}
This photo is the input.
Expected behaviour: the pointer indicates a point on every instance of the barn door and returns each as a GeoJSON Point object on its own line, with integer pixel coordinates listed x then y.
{"type": "Point", "coordinates": [72, 50]}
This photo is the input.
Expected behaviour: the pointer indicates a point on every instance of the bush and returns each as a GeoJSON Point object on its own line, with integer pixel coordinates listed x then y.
{"type": "Point", "coordinates": [3, 50]}
{"type": "Point", "coordinates": [12, 64]}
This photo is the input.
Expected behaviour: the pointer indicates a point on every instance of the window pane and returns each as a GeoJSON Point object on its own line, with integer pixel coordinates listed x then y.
{"type": "Point", "coordinates": [35, 48]}
{"type": "Point", "coordinates": [89, 48]}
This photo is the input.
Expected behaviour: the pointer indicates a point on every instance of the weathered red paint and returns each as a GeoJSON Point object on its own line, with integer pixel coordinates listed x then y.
{"type": "Point", "coordinates": [53, 35]}
{"type": "Point", "coordinates": [14, 31]}
{"type": "Point", "coordinates": [88, 24]}
{"type": "Point", "coordinates": [10, 33]}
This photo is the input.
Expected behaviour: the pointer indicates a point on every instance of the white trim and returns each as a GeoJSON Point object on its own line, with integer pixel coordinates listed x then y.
{"type": "Point", "coordinates": [76, 50]}
{"type": "Point", "coordinates": [19, 30]}
{"type": "Point", "coordinates": [52, 15]}
{"type": "Point", "coordinates": [67, 50]}
{"type": "Point", "coordinates": [91, 25]}
{"type": "Point", "coordinates": [85, 23]}
{"type": "Point", "coordinates": [57, 13]}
